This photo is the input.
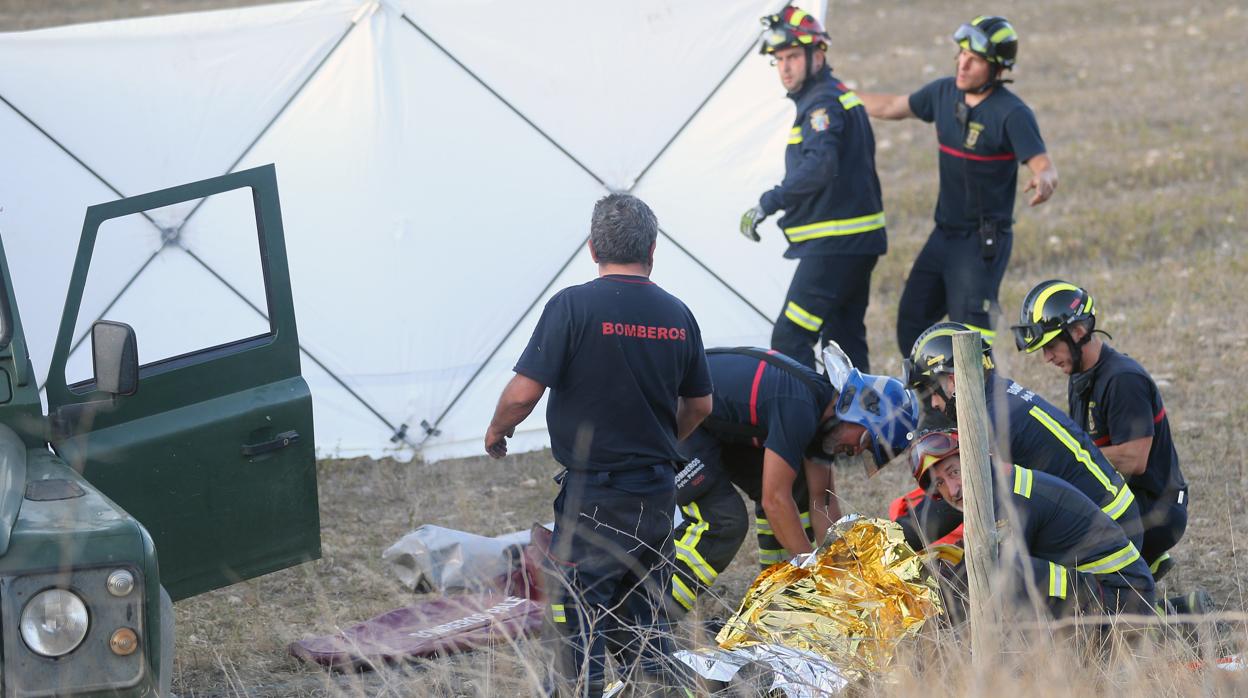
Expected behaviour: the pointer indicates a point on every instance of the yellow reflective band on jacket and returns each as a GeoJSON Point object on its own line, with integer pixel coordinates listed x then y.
{"type": "Point", "coordinates": [795, 135]}
{"type": "Point", "coordinates": [763, 527]}
{"type": "Point", "coordinates": [1022, 481]}
{"type": "Point", "coordinates": [682, 593]}
{"type": "Point", "coordinates": [1122, 498]}
{"type": "Point", "coordinates": [803, 319]}
{"type": "Point", "coordinates": [832, 228]}
{"type": "Point", "coordinates": [1113, 562]}
{"type": "Point", "coordinates": [990, 336]}
{"type": "Point", "coordinates": [1157, 563]}
{"type": "Point", "coordinates": [557, 613]}
{"type": "Point", "coordinates": [687, 546]}
{"type": "Point", "coordinates": [770, 556]}
{"type": "Point", "coordinates": [1120, 504]}
{"type": "Point", "coordinates": [1057, 581]}
{"type": "Point", "coordinates": [849, 100]}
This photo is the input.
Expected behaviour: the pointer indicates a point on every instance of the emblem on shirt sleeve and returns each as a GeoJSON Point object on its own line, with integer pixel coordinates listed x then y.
{"type": "Point", "coordinates": [973, 130]}
{"type": "Point", "coordinates": [819, 120]}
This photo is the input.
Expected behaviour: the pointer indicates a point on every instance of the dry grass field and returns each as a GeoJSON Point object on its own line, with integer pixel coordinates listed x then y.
{"type": "Point", "coordinates": [1141, 104]}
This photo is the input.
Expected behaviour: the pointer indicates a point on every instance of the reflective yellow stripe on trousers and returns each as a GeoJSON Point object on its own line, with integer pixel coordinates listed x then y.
{"type": "Point", "coordinates": [687, 546]}
{"type": "Point", "coordinates": [802, 318]}
{"type": "Point", "coordinates": [833, 228]}
{"type": "Point", "coordinates": [1057, 580]}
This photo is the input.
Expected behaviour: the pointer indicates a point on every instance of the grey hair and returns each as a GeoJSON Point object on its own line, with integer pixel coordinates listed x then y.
{"type": "Point", "coordinates": [623, 229]}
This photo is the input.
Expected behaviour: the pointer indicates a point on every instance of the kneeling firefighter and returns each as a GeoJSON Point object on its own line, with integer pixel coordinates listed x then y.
{"type": "Point", "coordinates": [774, 429]}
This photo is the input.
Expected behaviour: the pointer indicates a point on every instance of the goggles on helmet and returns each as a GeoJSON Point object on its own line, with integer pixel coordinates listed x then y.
{"type": "Point", "coordinates": [928, 450]}
{"type": "Point", "coordinates": [970, 37]}
{"type": "Point", "coordinates": [1034, 335]}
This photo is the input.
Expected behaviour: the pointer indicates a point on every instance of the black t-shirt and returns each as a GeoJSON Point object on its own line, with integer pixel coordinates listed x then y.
{"type": "Point", "coordinates": [1116, 401]}
{"type": "Point", "coordinates": [615, 352]}
{"type": "Point", "coordinates": [750, 391]}
{"type": "Point", "coordinates": [979, 159]}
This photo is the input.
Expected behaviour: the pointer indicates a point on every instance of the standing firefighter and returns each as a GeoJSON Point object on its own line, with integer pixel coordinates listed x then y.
{"type": "Point", "coordinates": [628, 379]}
{"type": "Point", "coordinates": [774, 429]}
{"type": "Point", "coordinates": [1070, 544]}
{"type": "Point", "coordinates": [1040, 437]}
{"type": "Point", "coordinates": [1116, 401]}
{"type": "Point", "coordinates": [984, 131]}
{"type": "Point", "coordinates": [833, 211]}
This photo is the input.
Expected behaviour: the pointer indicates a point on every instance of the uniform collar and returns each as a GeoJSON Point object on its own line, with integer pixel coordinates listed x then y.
{"type": "Point", "coordinates": [1081, 383]}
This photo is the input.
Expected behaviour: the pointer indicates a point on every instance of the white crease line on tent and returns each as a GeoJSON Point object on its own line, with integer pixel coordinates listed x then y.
{"type": "Point", "coordinates": [171, 236]}
{"type": "Point", "coordinates": [431, 430]}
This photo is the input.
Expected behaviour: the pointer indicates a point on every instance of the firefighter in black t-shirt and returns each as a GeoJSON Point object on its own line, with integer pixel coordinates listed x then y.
{"type": "Point", "coordinates": [984, 131]}
{"type": "Point", "coordinates": [628, 378]}
{"type": "Point", "coordinates": [1115, 400]}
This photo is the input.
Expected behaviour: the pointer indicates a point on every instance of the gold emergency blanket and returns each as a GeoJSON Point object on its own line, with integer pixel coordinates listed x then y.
{"type": "Point", "coordinates": [861, 593]}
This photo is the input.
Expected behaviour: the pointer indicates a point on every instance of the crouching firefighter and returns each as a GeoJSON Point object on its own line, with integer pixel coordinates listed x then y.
{"type": "Point", "coordinates": [1039, 436]}
{"type": "Point", "coordinates": [1076, 556]}
{"type": "Point", "coordinates": [774, 429]}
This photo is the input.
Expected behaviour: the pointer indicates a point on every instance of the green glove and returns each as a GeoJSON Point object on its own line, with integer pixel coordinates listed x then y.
{"type": "Point", "coordinates": [750, 221]}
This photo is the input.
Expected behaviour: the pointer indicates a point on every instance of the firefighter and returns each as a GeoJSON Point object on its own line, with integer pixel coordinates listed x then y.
{"type": "Point", "coordinates": [1114, 399]}
{"type": "Point", "coordinates": [1069, 543]}
{"type": "Point", "coordinates": [774, 429]}
{"type": "Point", "coordinates": [628, 378]}
{"type": "Point", "coordinates": [983, 131]}
{"type": "Point", "coordinates": [1039, 436]}
{"type": "Point", "coordinates": [833, 211]}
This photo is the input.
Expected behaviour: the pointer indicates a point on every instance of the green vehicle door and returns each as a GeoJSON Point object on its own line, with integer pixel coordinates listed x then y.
{"type": "Point", "coordinates": [213, 453]}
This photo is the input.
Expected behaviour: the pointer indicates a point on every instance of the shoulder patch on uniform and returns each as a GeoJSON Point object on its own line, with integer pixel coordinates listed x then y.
{"type": "Point", "coordinates": [819, 120]}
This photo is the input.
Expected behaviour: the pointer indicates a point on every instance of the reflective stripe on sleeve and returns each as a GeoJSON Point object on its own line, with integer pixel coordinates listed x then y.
{"type": "Point", "coordinates": [795, 135]}
{"type": "Point", "coordinates": [1112, 562]}
{"type": "Point", "coordinates": [802, 318]}
{"type": "Point", "coordinates": [849, 100]}
{"type": "Point", "coordinates": [835, 227]}
{"type": "Point", "coordinates": [770, 556]}
{"type": "Point", "coordinates": [1057, 580]}
{"type": "Point", "coordinates": [1120, 503]}
{"type": "Point", "coordinates": [1022, 481]}
{"type": "Point", "coordinates": [557, 613]}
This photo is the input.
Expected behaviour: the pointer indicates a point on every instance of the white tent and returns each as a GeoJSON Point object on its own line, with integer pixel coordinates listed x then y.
{"type": "Point", "coordinates": [438, 162]}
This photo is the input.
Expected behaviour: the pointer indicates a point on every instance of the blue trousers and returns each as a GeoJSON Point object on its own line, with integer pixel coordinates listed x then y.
{"type": "Point", "coordinates": [950, 276]}
{"type": "Point", "coordinates": [827, 300]}
{"type": "Point", "coordinates": [610, 571]}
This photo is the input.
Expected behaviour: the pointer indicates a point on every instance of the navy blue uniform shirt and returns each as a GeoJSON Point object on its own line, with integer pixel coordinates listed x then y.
{"type": "Point", "coordinates": [750, 391]}
{"type": "Point", "coordinates": [1117, 401]}
{"type": "Point", "coordinates": [979, 159]}
{"type": "Point", "coordinates": [830, 193]}
{"type": "Point", "coordinates": [1043, 438]}
{"type": "Point", "coordinates": [1059, 524]}
{"type": "Point", "coordinates": [615, 352]}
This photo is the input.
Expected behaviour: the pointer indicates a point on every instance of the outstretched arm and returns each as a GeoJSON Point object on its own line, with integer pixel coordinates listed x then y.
{"type": "Point", "coordinates": [1043, 178]}
{"type": "Point", "coordinates": [885, 106]}
{"type": "Point", "coordinates": [514, 405]}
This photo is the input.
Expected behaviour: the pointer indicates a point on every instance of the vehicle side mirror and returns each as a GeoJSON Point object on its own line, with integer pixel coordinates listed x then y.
{"type": "Point", "coordinates": [115, 356]}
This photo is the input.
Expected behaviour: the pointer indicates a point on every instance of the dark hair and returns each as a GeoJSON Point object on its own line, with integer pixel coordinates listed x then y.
{"type": "Point", "coordinates": [623, 229]}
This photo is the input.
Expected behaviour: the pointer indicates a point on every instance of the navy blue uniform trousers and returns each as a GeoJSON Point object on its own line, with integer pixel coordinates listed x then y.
{"type": "Point", "coordinates": [610, 571]}
{"type": "Point", "coordinates": [950, 276]}
{"type": "Point", "coordinates": [827, 300]}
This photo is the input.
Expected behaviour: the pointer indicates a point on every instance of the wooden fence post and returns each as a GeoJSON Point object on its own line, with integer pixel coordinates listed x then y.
{"type": "Point", "coordinates": [974, 437]}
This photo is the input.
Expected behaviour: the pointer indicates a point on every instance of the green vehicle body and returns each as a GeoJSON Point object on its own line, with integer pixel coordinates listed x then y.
{"type": "Point", "coordinates": [202, 476]}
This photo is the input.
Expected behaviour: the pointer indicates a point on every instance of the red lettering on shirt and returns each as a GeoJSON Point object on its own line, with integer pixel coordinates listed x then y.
{"type": "Point", "coordinates": [675, 334]}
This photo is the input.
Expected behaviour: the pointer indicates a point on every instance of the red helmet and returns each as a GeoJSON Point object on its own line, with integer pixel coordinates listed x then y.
{"type": "Point", "coordinates": [928, 450]}
{"type": "Point", "coordinates": [792, 27]}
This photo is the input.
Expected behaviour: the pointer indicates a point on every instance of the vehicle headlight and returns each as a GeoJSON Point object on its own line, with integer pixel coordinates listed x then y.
{"type": "Point", "coordinates": [54, 622]}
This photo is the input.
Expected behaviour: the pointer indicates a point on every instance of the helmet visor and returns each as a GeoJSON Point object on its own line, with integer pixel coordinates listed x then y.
{"type": "Point", "coordinates": [929, 450]}
{"type": "Point", "coordinates": [1032, 336]}
{"type": "Point", "coordinates": [970, 37]}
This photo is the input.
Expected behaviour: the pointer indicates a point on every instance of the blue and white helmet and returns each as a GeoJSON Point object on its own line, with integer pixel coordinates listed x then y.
{"type": "Point", "coordinates": [881, 405]}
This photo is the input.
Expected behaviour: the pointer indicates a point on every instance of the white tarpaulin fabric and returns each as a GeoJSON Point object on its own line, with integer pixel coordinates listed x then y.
{"type": "Point", "coordinates": [437, 161]}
